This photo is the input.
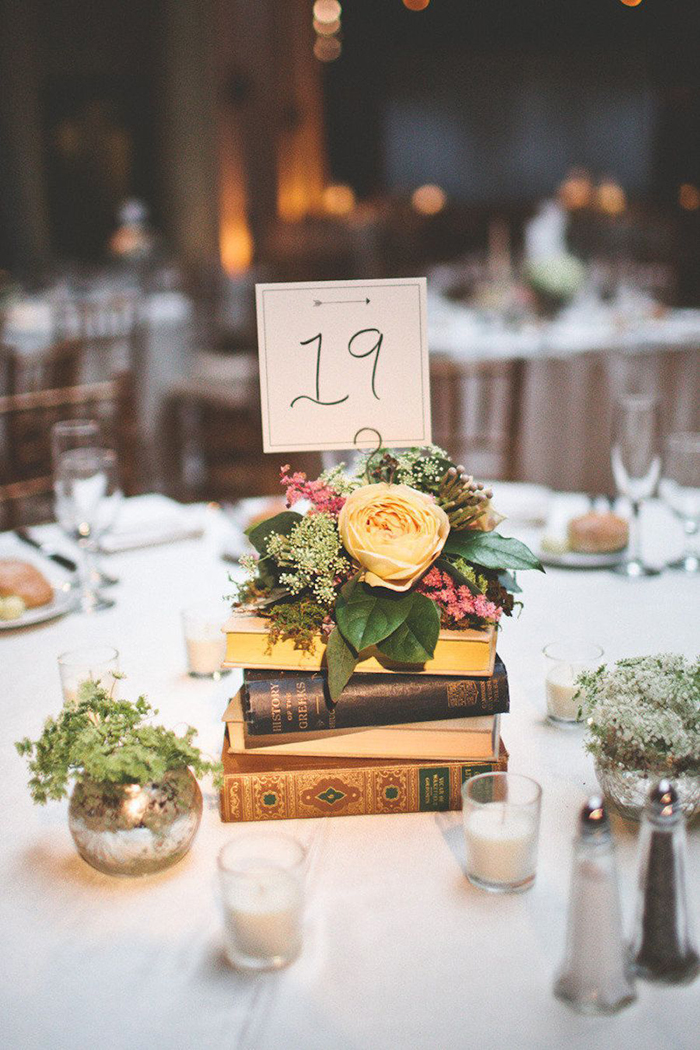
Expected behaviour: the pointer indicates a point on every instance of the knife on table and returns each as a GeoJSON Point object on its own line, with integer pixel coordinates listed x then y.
{"type": "Point", "coordinates": [48, 552]}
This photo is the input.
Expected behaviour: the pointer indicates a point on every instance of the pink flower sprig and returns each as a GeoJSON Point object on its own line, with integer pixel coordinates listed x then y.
{"type": "Point", "coordinates": [456, 600]}
{"type": "Point", "coordinates": [323, 498]}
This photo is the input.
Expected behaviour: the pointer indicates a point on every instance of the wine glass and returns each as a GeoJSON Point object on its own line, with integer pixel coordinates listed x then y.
{"type": "Point", "coordinates": [680, 488]}
{"type": "Point", "coordinates": [87, 497]}
{"type": "Point", "coordinates": [636, 465]}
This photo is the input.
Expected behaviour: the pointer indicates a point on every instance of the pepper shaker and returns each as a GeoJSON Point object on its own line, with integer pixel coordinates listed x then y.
{"type": "Point", "coordinates": [662, 946]}
{"type": "Point", "coordinates": [595, 976]}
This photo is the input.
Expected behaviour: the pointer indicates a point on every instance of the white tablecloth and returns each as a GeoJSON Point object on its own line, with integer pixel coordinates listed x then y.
{"type": "Point", "coordinates": [400, 951]}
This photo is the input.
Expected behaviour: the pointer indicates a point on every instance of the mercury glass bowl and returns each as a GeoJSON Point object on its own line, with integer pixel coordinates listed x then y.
{"type": "Point", "coordinates": [627, 789]}
{"type": "Point", "coordinates": [134, 829]}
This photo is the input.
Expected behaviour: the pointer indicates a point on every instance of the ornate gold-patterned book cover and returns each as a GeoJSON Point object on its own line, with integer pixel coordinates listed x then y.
{"type": "Point", "coordinates": [257, 788]}
{"type": "Point", "coordinates": [464, 653]}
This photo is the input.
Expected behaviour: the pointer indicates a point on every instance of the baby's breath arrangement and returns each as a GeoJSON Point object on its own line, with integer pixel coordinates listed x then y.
{"type": "Point", "coordinates": [644, 713]}
{"type": "Point", "coordinates": [109, 741]}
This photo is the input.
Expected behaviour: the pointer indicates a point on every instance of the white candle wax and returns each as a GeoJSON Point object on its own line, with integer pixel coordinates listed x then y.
{"type": "Point", "coordinates": [560, 693]}
{"type": "Point", "coordinates": [205, 655]}
{"type": "Point", "coordinates": [263, 917]}
{"type": "Point", "coordinates": [501, 846]}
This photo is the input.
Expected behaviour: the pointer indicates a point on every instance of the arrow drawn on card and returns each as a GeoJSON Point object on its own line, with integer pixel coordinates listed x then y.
{"type": "Point", "coordinates": [336, 302]}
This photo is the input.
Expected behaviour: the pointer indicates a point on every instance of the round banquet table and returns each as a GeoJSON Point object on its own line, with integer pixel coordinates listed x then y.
{"type": "Point", "coordinates": [400, 950]}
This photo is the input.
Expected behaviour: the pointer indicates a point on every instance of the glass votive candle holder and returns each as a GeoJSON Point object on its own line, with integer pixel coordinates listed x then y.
{"type": "Point", "coordinates": [501, 813]}
{"type": "Point", "coordinates": [204, 640]}
{"type": "Point", "coordinates": [90, 663]}
{"type": "Point", "coordinates": [261, 878]}
{"type": "Point", "coordinates": [564, 661]}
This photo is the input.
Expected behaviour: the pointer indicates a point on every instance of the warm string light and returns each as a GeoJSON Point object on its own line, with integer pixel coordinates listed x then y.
{"type": "Point", "coordinates": [420, 5]}
{"type": "Point", "coordinates": [689, 197]}
{"type": "Point", "coordinates": [429, 199]}
{"type": "Point", "coordinates": [576, 191]}
{"type": "Point", "coordinates": [326, 23]}
{"type": "Point", "coordinates": [610, 198]}
{"type": "Point", "coordinates": [631, 3]}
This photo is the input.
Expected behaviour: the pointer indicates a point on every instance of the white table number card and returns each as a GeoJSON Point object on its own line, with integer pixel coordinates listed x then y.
{"type": "Point", "coordinates": [338, 357]}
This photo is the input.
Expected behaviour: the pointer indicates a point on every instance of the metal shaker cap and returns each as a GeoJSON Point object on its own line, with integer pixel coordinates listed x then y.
{"type": "Point", "coordinates": [663, 803]}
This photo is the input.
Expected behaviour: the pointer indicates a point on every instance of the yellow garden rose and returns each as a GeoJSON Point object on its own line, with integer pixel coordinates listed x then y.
{"type": "Point", "coordinates": [394, 532]}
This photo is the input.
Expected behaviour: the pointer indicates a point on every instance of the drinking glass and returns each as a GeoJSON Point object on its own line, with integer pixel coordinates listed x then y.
{"type": "Point", "coordinates": [91, 663]}
{"type": "Point", "coordinates": [501, 814]}
{"type": "Point", "coordinates": [636, 465]}
{"type": "Point", "coordinates": [82, 433]}
{"type": "Point", "coordinates": [87, 496]}
{"type": "Point", "coordinates": [261, 879]}
{"type": "Point", "coordinates": [680, 488]}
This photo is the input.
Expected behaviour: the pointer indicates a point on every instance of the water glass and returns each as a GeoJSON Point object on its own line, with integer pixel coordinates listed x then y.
{"type": "Point", "coordinates": [564, 661]}
{"type": "Point", "coordinates": [636, 465]}
{"type": "Point", "coordinates": [261, 881]}
{"type": "Point", "coordinates": [501, 814]}
{"type": "Point", "coordinates": [90, 663]}
{"type": "Point", "coordinates": [680, 488]}
{"type": "Point", "coordinates": [204, 639]}
{"type": "Point", "coordinates": [87, 496]}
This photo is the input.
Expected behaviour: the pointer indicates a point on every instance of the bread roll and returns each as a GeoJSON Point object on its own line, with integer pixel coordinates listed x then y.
{"type": "Point", "coordinates": [24, 580]}
{"type": "Point", "coordinates": [598, 533]}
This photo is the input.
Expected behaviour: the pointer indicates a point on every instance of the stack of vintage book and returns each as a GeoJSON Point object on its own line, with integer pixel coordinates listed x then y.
{"type": "Point", "coordinates": [394, 743]}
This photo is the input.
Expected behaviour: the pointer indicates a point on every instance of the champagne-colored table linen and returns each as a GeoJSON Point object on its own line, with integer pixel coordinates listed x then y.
{"type": "Point", "coordinates": [400, 951]}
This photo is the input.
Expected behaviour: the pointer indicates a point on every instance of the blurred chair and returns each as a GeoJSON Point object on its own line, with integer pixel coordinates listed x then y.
{"type": "Point", "coordinates": [212, 436]}
{"type": "Point", "coordinates": [111, 326]}
{"type": "Point", "coordinates": [26, 419]}
{"type": "Point", "coordinates": [24, 373]}
{"type": "Point", "coordinates": [475, 413]}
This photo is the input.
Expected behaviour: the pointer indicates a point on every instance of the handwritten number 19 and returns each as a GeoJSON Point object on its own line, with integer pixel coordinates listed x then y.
{"type": "Point", "coordinates": [374, 349]}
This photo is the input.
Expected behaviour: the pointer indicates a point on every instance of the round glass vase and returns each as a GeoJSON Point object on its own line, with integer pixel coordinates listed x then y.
{"type": "Point", "coordinates": [627, 789]}
{"type": "Point", "coordinates": [135, 829]}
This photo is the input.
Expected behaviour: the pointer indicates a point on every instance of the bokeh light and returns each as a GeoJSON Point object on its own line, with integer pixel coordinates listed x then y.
{"type": "Point", "coordinates": [327, 48]}
{"type": "Point", "coordinates": [327, 28]}
{"type": "Point", "coordinates": [576, 191]}
{"type": "Point", "coordinates": [416, 5]}
{"type": "Point", "coordinates": [338, 199]}
{"type": "Point", "coordinates": [631, 3]}
{"type": "Point", "coordinates": [610, 198]}
{"type": "Point", "coordinates": [689, 197]}
{"type": "Point", "coordinates": [429, 199]}
{"type": "Point", "coordinates": [327, 11]}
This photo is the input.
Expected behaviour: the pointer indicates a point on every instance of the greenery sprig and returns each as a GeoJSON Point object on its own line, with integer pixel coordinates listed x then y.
{"type": "Point", "coordinates": [107, 740]}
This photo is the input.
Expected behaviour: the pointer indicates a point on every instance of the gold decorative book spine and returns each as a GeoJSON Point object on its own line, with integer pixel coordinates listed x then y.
{"type": "Point", "coordinates": [465, 653]}
{"type": "Point", "coordinates": [257, 789]}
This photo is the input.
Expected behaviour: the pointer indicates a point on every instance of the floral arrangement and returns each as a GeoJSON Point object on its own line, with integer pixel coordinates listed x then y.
{"type": "Point", "coordinates": [384, 557]}
{"type": "Point", "coordinates": [107, 740]}
{"type": "Point", "coordinates": [644, 713]}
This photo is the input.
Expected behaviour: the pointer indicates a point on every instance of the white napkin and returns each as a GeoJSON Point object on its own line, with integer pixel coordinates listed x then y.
{"type": "Point", "coordinates": [151, 520]}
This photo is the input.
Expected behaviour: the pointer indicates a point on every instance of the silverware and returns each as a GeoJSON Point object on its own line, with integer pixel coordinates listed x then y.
{"type": "Point", "coordinates": [48, 552]}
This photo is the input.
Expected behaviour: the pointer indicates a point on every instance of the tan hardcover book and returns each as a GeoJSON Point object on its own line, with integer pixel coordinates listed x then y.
{"type": "Point", "coordinates": [469, 653]}
{"type": "Point", "coordinates": [456, 739]}
{"type": "Point", "coordinates": [262, 788]}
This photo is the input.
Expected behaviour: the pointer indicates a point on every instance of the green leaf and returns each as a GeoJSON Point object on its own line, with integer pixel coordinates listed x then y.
{"type": "Point", "coordinates": [366, 615]}
{"type": "Point", "coordinates": [492, 550]}
{"type": "Point", "coordinates": [414, 641]}
{"type": "Point", "coordinates": [281, 524]}
{"type": "Point", "coordinates": [509, 582]}
{"type": "Point", "coordinates": [267, 573]}
{"type": "Point", "coordinates": [342, 661]}
{"type": "Point", "coordinates": [447, 566]}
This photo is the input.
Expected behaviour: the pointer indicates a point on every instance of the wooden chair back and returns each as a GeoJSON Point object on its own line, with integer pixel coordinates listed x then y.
{"type": "Point", "coordinates": [58, 366]}
{"type": "Point", "coordinates": [475, 413]}
{"type": "Point", "coordinates": [25, 442]}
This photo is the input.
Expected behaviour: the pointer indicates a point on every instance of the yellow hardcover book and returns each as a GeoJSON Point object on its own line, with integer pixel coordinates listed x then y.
{"type": "Point", "coordinates": [445, 739]}
{"type": "Point", "coordinates": [266, 788]}
{"type": "Point", "coordinates": [470, 653]}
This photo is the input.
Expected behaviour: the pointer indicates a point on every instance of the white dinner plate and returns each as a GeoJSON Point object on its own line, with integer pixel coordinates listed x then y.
{"type": "Point", "coordinates": [576, 560]}
{"type": "Point", "coordinates": [63, 602]}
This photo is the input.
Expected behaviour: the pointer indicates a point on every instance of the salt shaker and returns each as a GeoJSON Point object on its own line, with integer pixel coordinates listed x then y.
{"type": "Point", "coordinates": [662, 946]}
{"type": "Point", "coordinates": [595, 976]}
